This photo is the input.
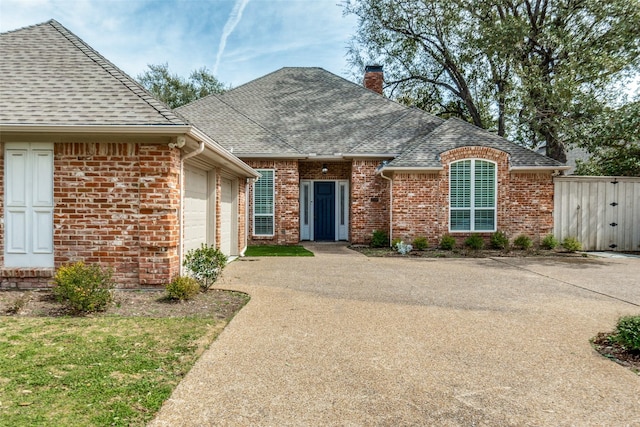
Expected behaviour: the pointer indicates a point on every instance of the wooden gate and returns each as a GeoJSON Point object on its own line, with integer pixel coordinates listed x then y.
{"type": "Point", "coordinates": [603, 213]}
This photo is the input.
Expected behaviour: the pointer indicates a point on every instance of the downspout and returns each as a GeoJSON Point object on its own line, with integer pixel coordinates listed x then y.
{"type": "Point", "coordinates": [181, 184]}
{"type": "Point", "coordinates": [390, 205]}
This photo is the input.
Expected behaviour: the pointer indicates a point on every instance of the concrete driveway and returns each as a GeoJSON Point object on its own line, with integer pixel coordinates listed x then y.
{"type": "Point", "coordinates": [342, 339]}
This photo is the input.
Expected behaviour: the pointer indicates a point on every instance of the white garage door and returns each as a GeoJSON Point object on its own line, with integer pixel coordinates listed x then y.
{"type": "Point", "coordinates": [195, 208]}
{"type": "Point", "coordinates": [226, 217]}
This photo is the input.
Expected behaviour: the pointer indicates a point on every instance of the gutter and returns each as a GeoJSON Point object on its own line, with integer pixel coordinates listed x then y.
{"type": "Point", "coordinates": [99, 129]}
{"type": "Point", "coordinates": [538, 168]}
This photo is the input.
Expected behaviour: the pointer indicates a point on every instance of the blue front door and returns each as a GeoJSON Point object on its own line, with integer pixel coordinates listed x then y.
{"type": "Point", "coordinates": [324, 212]}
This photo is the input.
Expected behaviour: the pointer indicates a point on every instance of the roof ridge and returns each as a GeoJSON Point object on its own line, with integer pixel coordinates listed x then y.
{"type": "Point", "coordinates": [122, 77]}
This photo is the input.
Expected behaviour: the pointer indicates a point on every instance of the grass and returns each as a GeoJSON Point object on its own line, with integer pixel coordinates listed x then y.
{"type": "Point", "coordinates": [276, 250]}
{"type": "Point", "coordinates": [98, 371]}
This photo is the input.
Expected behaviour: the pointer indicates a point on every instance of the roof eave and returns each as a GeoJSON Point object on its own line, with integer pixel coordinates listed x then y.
{"type": "Point", "coordinates": [538, 168]}
{"type": "Point", "coordinates": [411, 169]}
{"type": "Point", "coordinates": [158, 130]}
{"type": "Point", "coordinates": [212, 145]}
{"type": "Point", "coordinates": [254, 156]}
{"type": "Point", "coordinates": [97, 129]}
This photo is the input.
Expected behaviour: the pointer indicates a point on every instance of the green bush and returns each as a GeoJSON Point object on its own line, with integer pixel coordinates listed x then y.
{"type": "Point", "coordinates": [83, 288]}
{"type": "Point", "coordinates": [379, 239]}
{"type": "Point", "coordinates": [447, 242]}
{"type": "Point", "coordinates": [205, 264]}
{"type": "Point", "coordinates": [499, 240]}
{"type": "Point", "coordinates": [474, 242]}
{"type": "Point", "coordinates": [420, 243]}
{"type": "Point", "coordinates": [549, 242]}
{"type": "Point", "coordinates": [182, 288]}
{"type": "Point", "coordinates": [394, 242]}
{"type": "Point", "coordinates": [571, 244]}
{"type": "Point", "coordinates": [522, 242]}
{"type": "Point", "coordinates": [628, 332]}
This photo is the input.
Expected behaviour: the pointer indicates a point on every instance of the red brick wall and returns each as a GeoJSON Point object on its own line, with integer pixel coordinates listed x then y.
{"type": "Point", "coordinates": [335, 170]}
{"type": "Point", "coordinates": [116, 204]}
{"type": "Point", "coordinates": [369, 201]}
{"type": "Point", "coordinates": [421, 201]}
{"type": "Point", "coordinates": [287, 203]}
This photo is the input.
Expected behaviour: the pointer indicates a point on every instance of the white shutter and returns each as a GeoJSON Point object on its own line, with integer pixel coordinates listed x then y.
{"type": "Point", "coordinates": [29, 205]}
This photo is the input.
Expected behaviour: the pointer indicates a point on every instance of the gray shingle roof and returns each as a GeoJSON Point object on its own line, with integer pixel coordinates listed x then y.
{"type": "Point", "coordinates": [223, 123]}
{"type": "Point", "coordinates": [312, 111]}
{"type": "Point", "coordinates": [425, 150]}
{"type": "Point", "coordinates": [48, 76]}
{"type": "Point", "coordinates": [309, 110]}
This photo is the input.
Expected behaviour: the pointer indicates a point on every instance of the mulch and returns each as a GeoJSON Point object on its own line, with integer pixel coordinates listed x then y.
{"type": "Point", "coordinates": [214, 303]}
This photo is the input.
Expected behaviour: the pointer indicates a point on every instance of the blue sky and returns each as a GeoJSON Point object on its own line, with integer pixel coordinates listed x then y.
{"type": "Point", "coordinates": [238, 39]}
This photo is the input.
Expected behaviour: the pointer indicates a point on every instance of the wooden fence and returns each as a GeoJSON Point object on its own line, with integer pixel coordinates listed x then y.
{"type": "Point", "coordinates": [603, 213]}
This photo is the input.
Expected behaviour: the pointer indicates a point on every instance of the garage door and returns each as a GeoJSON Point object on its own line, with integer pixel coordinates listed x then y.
{"type": "Point", "coordinates": [226, 217]}
{"type": "Point", "coordinates": [195, 208]}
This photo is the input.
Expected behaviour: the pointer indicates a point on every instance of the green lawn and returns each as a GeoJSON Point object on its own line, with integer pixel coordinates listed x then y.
{"type": "Point", "coordinates": [275, 250]}
{"type": "Point", "coordinates": [94, 371]}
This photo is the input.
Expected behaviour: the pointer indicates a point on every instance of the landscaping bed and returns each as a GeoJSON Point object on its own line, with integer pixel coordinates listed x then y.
{"type": "Point", "coordinates": [609, 348]}
{"type": "Point", "coordinates": [465, 253]}
{"type": "Point", "coordinates": [217, 304]}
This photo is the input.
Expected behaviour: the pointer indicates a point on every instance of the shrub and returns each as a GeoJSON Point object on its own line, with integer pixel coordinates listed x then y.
{"type": "Point", "coordinates": [420, 243]}
{"type": "Point", "coordinates": [549, 242]}
{"type": "Point", "coordinates": [522, 242]}
{"type": "Point", "coordinates": [205, 264]}
{"type": "Point", "coordinates": [628, 332]}
{"type": "Point", "coordinates": [474, 242]}
{"type": "Point", "coordinates": [403, 248]}
{"type": "Point", "coordinates": [379, 239]}
{"type": "Point", "coordinates": [83, 288]}
{"type": "Point", "coordinates": [182, 288]}
{"type": "Point", "coordinates": [395, 242]}
{"type": "Point", "coordinates": [571, 244]}
{"type": "Point", "coordinates": [499, 240]}
{"type": "Point", "coordinates": [447, 242]}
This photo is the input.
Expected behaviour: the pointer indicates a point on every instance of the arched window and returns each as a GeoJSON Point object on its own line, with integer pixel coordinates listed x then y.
{"type": "Point", "coordinates": [472, 195]}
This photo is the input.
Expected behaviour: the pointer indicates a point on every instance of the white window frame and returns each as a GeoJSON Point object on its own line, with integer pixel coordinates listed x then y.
{"type": "Point", "coordinates": [472, 208]}
{"type": "Point", "coordinates": [273, 206]}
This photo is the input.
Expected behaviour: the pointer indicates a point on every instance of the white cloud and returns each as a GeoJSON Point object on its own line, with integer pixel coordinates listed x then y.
{"type": "Point", "coordinates": [229, 26]}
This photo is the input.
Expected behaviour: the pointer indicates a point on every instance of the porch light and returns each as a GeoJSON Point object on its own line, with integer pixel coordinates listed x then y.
{"type": "Point", "coordinates": [324, 169]}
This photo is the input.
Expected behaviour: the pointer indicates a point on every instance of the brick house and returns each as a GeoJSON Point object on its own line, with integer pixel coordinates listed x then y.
{"type": "Point", "coordinates": [94, 168]}
{"type": "Point", "coordinates": [339, 161]}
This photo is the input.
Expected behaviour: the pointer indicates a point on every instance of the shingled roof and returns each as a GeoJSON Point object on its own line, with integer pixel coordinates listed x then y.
{"type": "Point", "coordinates": [425, 150]}
{"type": "Point", "coordinates": [305, 112]}
{"type": "Point", "coordinates": [49, 76]}
{"type": "Point", "coordinates": [311, 111]}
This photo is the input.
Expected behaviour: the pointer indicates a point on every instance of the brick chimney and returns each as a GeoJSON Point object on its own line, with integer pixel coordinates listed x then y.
{"type": "Point", "coordinates": [373, 78]}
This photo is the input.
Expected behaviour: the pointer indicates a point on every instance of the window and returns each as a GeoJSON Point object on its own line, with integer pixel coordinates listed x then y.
{"type": "Point", "coordinates": [263, 202]}
{"type": "Point", "coordinates": [472, 196]}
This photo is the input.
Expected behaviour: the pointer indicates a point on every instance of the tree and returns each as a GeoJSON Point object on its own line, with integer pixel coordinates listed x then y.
{"type": "Point", "coordinates": [613, 141]}
{"type": "Point", "coordinates": [174, 90]}
{"type": "Point", "coordinates": [529, 69]}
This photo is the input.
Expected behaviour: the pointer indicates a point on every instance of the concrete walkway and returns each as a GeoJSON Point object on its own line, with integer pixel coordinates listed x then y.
{"type": "Point", "coordinates": [342, 339]}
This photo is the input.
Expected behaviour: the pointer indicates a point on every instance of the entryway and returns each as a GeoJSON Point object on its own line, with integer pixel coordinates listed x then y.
{"type": "Point", "coordinates": [324, 210]}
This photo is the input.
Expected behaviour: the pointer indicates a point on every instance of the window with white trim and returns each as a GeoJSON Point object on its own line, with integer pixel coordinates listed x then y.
{"type": "Point", "coordinates": [472, 195]}
{"type": "Point", "coordinates": [263, 203]}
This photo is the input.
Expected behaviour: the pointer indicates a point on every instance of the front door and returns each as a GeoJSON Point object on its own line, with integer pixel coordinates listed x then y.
{"type": "Point", "coordinates": [324, 213]}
